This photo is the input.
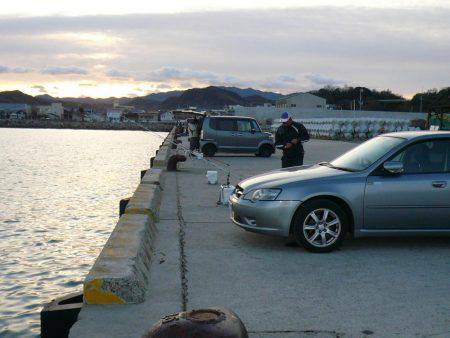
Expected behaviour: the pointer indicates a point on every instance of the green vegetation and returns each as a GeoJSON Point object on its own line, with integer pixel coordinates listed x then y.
{"type": "Point", "coordinates": [385, 100]}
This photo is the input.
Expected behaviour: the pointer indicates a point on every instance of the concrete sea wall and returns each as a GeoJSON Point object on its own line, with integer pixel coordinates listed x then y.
{"type": "Point", "coordinates": [154, 126]}
{"type": "Point", "coordinates": [120, 274]}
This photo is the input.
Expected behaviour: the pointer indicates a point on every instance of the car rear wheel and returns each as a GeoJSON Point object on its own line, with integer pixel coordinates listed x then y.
{"type": "Point", "coordinates": [320, 225]}
{"type": "Point", "coordinates": [265, 151]}
{"type": "Point", "coordinates": [209, 150]}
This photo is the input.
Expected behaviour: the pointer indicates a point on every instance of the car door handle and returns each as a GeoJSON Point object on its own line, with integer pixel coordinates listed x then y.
{"type": "Point", "coordinates": [439, 184]}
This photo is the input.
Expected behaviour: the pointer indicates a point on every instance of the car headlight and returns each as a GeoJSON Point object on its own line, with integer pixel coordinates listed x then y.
{"type": "Point", "coordinates": [262, 195]}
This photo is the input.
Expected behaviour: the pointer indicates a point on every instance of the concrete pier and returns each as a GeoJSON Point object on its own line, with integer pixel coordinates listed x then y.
{"type": "Point", "coordinates": [378, 287]}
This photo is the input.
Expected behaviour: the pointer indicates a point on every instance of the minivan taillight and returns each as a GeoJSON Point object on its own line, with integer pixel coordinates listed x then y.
{"type": "Point", "coordinates": [201, 135]}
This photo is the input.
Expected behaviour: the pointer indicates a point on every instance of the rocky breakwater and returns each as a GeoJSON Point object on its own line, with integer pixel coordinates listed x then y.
{"type": "Point", "coordinates": [51, 124]}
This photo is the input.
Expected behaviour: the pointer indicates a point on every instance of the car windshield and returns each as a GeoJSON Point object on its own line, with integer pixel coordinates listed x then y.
{"type": "Point", "coordinates": [364, 155]}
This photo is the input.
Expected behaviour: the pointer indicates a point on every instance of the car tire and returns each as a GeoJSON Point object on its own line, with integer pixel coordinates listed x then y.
{"type": "Point", "coordinates": [320, 225]}
{"type": "Point", "coordinates": [209, 150]}
{"type": "Point", "coordinates": [265, 151]}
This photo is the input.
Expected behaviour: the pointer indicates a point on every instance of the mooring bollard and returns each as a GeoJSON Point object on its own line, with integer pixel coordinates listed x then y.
{"type": "Point", "coordinates": [122, 205]}
{"type": "Point", "coordinates": [173, 161]}
{"type": "Point", "coordinates": [143, 172]}
{"type": "Point", "coordinates": [204, 323]}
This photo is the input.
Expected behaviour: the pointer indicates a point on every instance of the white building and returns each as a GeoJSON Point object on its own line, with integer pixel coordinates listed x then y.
{"type": "Point", "coordinates": [14, 110]}
{"type": "Point", "coordinates": [93, 116]}
{"type": "Point", "coordinates": [262, 114]}
{"type": "Point", "coordinates": [151, 116]}
{"type": "Point", "coordinates": [114, 115]}
{"type": "Point", "coordinates": [166, 116]}
{"type": "Point", "coordinates": [55, 111]}
{"type": "Point", "coordinates": [301, 101]}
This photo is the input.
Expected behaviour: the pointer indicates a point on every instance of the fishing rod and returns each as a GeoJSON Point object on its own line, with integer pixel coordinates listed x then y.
{"type": "Point", "coordinates": [188, 152]}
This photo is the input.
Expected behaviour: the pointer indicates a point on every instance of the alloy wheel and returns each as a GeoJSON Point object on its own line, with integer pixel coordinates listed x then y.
{"type": "Point", "coordinates": [322, 227]}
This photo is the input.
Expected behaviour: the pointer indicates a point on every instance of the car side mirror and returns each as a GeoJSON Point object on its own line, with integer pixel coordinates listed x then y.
{"type": "Point", "coordinates": [253, 131]}
{"type": "Point", "coordinates": [393, 167]}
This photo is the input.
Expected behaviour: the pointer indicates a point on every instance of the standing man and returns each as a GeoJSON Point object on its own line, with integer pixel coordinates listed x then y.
{"type": "Point", "coordinates": [289, 138]}
{"type": "Point", "coordinates": [193, 133]}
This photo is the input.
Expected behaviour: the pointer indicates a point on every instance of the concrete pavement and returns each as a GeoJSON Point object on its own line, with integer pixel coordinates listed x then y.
{"type": "Point", "coordinates": [377, 287]}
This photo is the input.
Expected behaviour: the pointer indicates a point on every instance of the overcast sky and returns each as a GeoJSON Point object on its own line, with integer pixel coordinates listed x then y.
{"type": "Point", "coordinates": [101, 49]}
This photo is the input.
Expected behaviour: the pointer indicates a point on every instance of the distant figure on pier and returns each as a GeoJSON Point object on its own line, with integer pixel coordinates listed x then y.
{"type": "Point", "coordinates": [193, 133]}
{"type": "Point", "coordinates": [289, 138]}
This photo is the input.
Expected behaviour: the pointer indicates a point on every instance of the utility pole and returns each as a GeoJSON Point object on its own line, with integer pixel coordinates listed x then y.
{"type": "Point", "coordinates": [360, 98]}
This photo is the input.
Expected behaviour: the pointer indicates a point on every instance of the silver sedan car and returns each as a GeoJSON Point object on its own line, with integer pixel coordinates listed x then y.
{"type": "Point", "coordinates": [394, 184]}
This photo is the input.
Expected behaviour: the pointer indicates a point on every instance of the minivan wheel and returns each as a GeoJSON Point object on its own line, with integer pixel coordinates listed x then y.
{"type": "Point", "coordinates": [209, 150]}
{"type": "Point", "coordinates": [265, 151]}
{"type": "Point", "coordinates": [320, 225]}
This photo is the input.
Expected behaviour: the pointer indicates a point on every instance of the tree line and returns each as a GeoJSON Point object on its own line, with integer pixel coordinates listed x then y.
{"type": "Point", "coordinates": [385, 100]}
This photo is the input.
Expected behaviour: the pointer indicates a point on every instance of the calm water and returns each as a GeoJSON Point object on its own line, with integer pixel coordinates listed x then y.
{"type": "Point", "coordinates": [59, 200]}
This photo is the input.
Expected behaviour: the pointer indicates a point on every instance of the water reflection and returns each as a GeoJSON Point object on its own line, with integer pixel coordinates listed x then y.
{"type": "Point", "coordinates": [60, 192]}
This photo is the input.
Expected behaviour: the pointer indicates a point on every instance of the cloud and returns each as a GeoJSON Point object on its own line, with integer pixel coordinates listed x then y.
{"type": "Point", "coordinates": [117, 74]}
{"type": "Point", "coordinates": [281, 82]}
{"type": "Point", "coordinates": [322, 80]}
{"type": "Point", "coordinates": [56, 70]}
{"type": "Point", "coordinates": [404, 49]}
{"type": "Point", "coordinates": [173, 73]}
{"type": "Point", "coordinates": [163, 86]}
{"type": "Point", "coordinates": [87, 85]}
{"type": "Point", "coordinates": [287, 78]}
{"type": "Point", "coordinates": [17, 70]}
{"type": "Point", "coordinates": [41, 89]}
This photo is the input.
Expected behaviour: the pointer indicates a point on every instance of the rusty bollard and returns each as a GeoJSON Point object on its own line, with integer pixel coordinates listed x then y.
{"type": "Point", "coordinates": [122, 205]}
{"type": "Point", "coordinates": [204, 323]}
{"type": "Point", "coordinates": [143, 172]}
{"type": "Point", "coordinates": [173, 160]}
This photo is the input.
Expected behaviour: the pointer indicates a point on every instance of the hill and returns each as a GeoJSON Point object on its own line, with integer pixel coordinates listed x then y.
{"type": "Point", "coordinates": [343, 98]}
{"type": "Point", "coordinates": [16, 96]}
{"type": "Point", "coordinates": [254, 92]}
{"type": "Point", "coordinates": [160, 97]}
{"type": "Point", "coordinates": [209, 98]}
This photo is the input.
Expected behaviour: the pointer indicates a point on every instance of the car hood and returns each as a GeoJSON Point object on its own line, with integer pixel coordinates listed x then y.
{"type": "Point", "coordinates": [280, 177]}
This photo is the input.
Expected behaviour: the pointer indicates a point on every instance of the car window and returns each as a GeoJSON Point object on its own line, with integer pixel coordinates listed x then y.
{"type": "Point", "coordinates": [255, 126]}
{"type": "Point", "coordinates": [425, 157]}
{"type": "Point", "coordinates": [244, 125]}
{"type": "Point", "coordinates": [367, 153]}
{"type": "Point", "coordinates": [213, 123]}
{"type": "Point", "coordinates": [225, 125]}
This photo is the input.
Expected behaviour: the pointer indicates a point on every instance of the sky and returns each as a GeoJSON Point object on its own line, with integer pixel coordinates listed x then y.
{"type": "Point", "coordinates": [133, 48]}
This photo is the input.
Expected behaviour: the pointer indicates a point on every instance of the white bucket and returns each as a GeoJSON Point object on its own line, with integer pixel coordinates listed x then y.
{"type": "Point", "coordinates": [211, 176]}
{"type": "Point", "coordinates": [225, 193]}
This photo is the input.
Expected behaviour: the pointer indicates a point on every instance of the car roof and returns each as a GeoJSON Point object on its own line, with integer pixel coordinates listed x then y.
{"type": "Point", "coordinates": [232, 117]}
{"type": "Point", "coordinates": [420, 134]}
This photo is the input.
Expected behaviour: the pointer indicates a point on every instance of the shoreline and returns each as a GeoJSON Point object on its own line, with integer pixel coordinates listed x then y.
{"type": "Point", "coordinates": [49, 124]}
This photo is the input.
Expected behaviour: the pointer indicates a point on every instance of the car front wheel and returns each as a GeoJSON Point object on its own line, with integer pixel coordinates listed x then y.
{"type": "Point", "coordinates": [320, 225]}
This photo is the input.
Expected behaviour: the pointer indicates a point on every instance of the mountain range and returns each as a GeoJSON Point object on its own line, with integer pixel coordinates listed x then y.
{"type": "Point", "coordinates": [205, 98]}
{"type": "Point", "coordinates": [217, 97]}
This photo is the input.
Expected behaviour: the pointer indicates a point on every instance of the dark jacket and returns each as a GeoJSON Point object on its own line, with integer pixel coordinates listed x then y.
{"type": "Point", "coordinates": [285, 134]}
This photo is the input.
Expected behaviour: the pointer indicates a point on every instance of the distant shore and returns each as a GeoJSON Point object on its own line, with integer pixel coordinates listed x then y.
{"type": "Point", "coordinates": [50, 124]}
